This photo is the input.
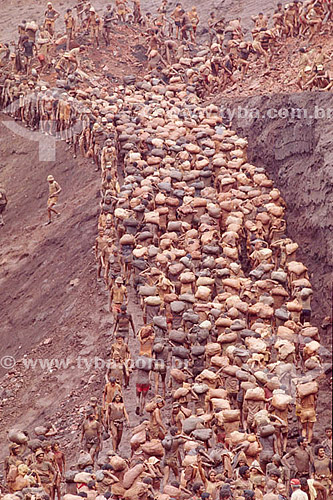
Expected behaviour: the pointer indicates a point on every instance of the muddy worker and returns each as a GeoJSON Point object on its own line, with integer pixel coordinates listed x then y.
{"type": "Point", "coordinates": [118, 295]}
{"type": "Point", "coordinates": [93, 25]}
{"type": "Point", "coordinates": [157, 429]}
{"type": "Point", "coordinates": [70, 27]}
{"type": "Point", "coordinates": [110, 389]}
{"type": "Point", "coordinates": [303, 458]}
{"type": "Point", "coordinates": [117, 415]}
{"type": "Point", "coordinates": [142, 387]}
{"type": "Point", "coordinates": [46, 472]}
{"type": "Point", "coordinates": [3, 204]}
{"type": "Point", "coordinates": [54, 191]}
{"type": "Point", "coordinates": [322, 466]}
{"type": "Point", "coordinates": [11, 464]}
{"type": "Point", "coordinates": [123, 323]}
{"type": "Point", "coordinates": [108, 17]}
{"type": "Point", "coordinates": [51, 15]}
{"type": "Point", "coordinates": [176, 16]}
{"type": "Point", "coordinates": [91, 434]}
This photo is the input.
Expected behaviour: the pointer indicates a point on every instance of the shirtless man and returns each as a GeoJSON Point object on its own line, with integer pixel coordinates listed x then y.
{"type": "Point", "coordinates": [47, 112]}
{"type": "Point", "coordinates": [111, 263]}
{"type": "Point", "coordinates": [93, 25]}
{"type": "Point", "coordinates": [11, 463]}
{"type": "Point", "coordinates": [3, 203]}
{"type": "Point", "coordinates": [303, 458]}
{"type": "Point", "coordinates": [51, 15]}
{"type": "Point", "coordinates": [117, 369]}
{"type": "Point", "coordinates": [157, 429]}
{"type": "Point", "coordinates": [108, 17]}
{"type": "Point", "coordinates": [123, 323]}
{"type": "Point", "coordinates": [176, 16]}
{"type": "Point", "coordinates": [100, 244]}
{"type": "Point", "coordinates": [54, 191]}
{"type": "Point", "coordinates": [91, 435]}
{"type": "Point", "coordinates": [303, 64]}
{"type": "Point", "coordinates": [118, 295]}
{"type": "Point", "coordinates": [142, 388]}
{"type": "Point", "coordinates": [70, 27]}
{"type": "Point", "coordinates": [109, 391]}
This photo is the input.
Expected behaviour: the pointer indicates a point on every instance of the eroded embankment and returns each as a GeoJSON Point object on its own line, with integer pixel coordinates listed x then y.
{"type": "Point", "coordinates": [291, 136]}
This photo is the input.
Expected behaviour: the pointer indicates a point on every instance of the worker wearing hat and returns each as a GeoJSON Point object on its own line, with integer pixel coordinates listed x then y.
{"type": "Point", "coordinates": [14, 459]}
{"type": "Point", "coordinates": [54, 191]}
{"type": "Point", "coordinates": [297, 493]}
{"type": "Point", "coordinates": [45, 471]}
{"type": "Point", "coordinates": [118, 295]}
{"type": "Point", "coordinates": [51, 15]}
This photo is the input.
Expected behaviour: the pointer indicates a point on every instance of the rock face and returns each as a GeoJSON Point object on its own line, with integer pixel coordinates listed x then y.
{"type": "Point", "coordinates": [291, 136]}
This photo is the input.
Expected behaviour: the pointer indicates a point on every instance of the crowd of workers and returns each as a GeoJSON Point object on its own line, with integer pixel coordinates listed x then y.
{"type": "Point", "coordinates": [229, 364]}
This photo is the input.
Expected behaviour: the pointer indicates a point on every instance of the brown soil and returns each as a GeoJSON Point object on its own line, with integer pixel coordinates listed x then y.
{"type": "Point", "coordinates": [297, 153]}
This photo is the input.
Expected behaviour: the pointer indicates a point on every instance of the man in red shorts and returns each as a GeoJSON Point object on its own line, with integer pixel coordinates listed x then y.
{"type": "Point", "coordinates": [142, 388]}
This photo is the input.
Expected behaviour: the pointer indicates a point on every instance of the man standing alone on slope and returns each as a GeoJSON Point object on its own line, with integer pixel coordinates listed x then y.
{"type": "Point", "coordinates": [54, 191]}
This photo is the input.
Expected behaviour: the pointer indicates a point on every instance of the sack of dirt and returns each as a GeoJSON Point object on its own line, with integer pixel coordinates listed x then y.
{"type": "Point", "coordinates": [307, 389]}
{"type": "Point", "coordinates": [178, 375]}
{"type": "Point", "coordinates": [178, 336]}
{"type": "Point", "coordinates": [70, 475]}
{"type": "Point", "coordinates": [202, 434]}
{"type": "Point", "coordinates": [213, 349]}
{"type": "Point", "coordinates": [197, 350]}
{"type": "Point", "coordinates": [227, 338]}
{"type": "Point", "coordinates": [83, 477]}
{"type": "Point", "coordinates": [187, 277]}
{"type": "Point", "coordinates": [207, 375]}
{"type": "Point", "coordinates": [131, 475]}
{"type": "Point", "coordinates": [181, 392]}
{"type": "Point", "coordinates": [153, 301]}
{"type": "Point", "coordinates": [218, 393]}
{"type": "Point", "coordinates": [153, 448]}
{"type": "Point", "coordinates": [151, 406]}
{"type": "Point", "coordinates": [17, 436]}
{"type": "Point", "coordinates": [138, 438]}
{"type": "Point", "coordinates": [118, 463]}
{"type": "Point", "coordinates": [34, 444]}
{"type": "Point", "coordinates": [231, 415]}
{"type": "Point", "coordinates": [230, 370]}
{"type": "Point", "coordinates": [203, 293]}
{"type": "Point", "coordinates": [310, 331]}
{"type": "Point", "coordinates": [144, 363]}
{"type": "Point", "coordinates": [152, 218]}
{"type": "Point", "coordinates": [281, 401]}
{"type": "Point", "coordinates": [127, 239]}
{"type": "Point", "coordinates": [84, 459]}
{"type": "Point", "coordinates": [177, 306]}
{"type": "Point", "coordinates": [219, 361]}
{"type": "Point", "coordinates": [147, 291]}
{"type": "Point", "coordinates": [200, 388]}
{"type": "Point", "coordinates": [237, 438]}
{"type": "Point", "coordinates": [220, 404]}
{"type": "Point", "coordinates": [160, 322]}
{"type": "Point", "coordinates": [190, 424]}
{"type": "Point", "coordinates": [257, 394]}
{"type": "Point", "coordinates": [267, 430]}
{"type": "Point", "coordinates": [180, 352]}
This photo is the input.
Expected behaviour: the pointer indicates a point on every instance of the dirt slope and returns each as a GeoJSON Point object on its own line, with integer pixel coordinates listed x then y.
{"type": "Point", "coordinates": [37, 265]}
{"type": "Point", "coordinates": [297, 152]}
